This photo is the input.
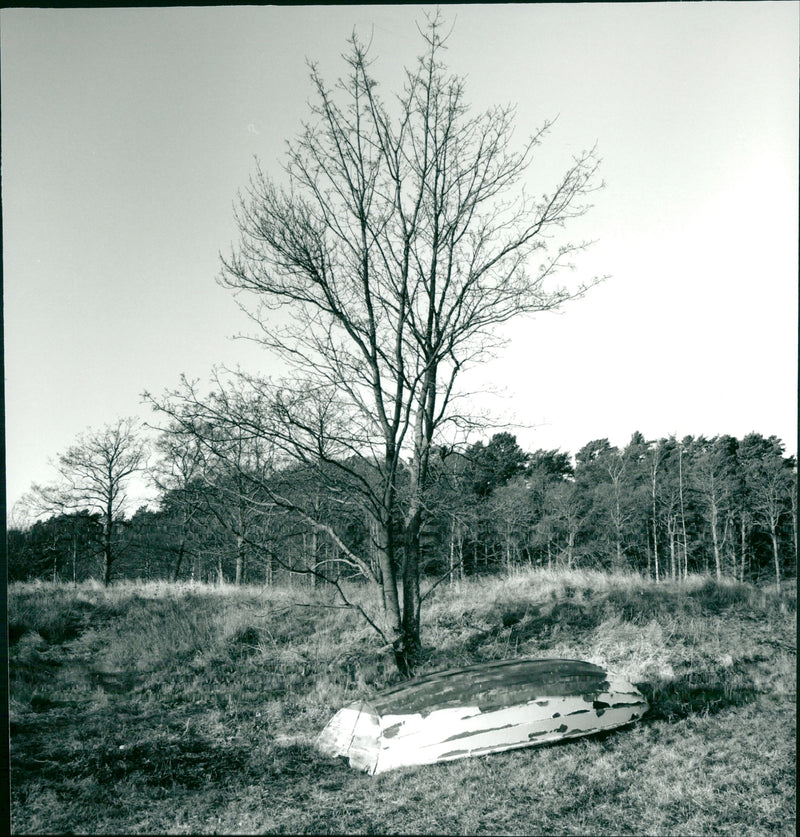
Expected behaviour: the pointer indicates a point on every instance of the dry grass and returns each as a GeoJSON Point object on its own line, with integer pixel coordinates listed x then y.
{"type": "Point", "coordinates": [191, 710]}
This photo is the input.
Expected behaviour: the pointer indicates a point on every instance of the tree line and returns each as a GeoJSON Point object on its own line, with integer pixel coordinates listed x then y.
{"type": "Point", "coordinates": [667, 508]}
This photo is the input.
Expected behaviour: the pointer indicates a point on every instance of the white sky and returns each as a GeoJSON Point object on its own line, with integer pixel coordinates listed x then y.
{"type": "Point", "coordinates": [127, 132]}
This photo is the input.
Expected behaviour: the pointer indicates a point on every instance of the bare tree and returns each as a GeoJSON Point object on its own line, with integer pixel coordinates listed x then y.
{"type": "Point", "coordinates": [564, 509]}
{"type": "Point", "coordinates": [655, 454]}
{"type": "Point", "coordinates": [615, 467]}
{"type": "Point", "coordinates": [403, 238]}
{"type": "Point", "coordinates": [178, 476]}
{"type": "Point", "coordinates": [711, 478]}
{"type": "Point", "coordinates": [511, 511]}
{"type": "Point", "coordinates": [769, 477]}
{"type": "Point", "coordinates": [94, 475]}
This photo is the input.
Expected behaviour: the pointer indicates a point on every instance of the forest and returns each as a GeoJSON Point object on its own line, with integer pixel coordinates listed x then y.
{"type": "Point", "coordinates": [665, 509]}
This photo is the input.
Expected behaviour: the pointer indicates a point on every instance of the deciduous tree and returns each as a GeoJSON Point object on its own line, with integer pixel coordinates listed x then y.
{"type": "Point", "coordinates": [768, 476]}
{"type": "Point", "coordinates": [712, 475]}
{"type": "Point", "coordinates": [403, 236]}
{"type": "Point", "coordinates": [94, 475]}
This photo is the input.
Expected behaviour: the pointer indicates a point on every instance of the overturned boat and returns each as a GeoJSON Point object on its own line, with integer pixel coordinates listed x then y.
{"type": "Point", "coordinates": [480, 709]}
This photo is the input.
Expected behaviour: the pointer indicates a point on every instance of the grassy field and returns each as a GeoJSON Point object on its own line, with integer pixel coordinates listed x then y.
{"type": "Point", "coordinates": [193, 710]}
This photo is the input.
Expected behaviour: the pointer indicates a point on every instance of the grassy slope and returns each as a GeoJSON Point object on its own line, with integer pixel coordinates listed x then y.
{"type": "Point", "coordinates": [158, 709]}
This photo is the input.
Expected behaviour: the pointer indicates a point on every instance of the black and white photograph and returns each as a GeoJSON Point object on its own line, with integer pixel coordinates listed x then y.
{"type": "Point", "coordinates": [401, 417]}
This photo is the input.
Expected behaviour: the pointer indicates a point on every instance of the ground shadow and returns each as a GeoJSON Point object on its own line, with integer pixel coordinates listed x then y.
{"type": "Point", "coordinates": [676, 699]}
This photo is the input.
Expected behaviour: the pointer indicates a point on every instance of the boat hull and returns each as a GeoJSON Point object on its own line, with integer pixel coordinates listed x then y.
{"type": "Point", "coordinates": [479, 710]}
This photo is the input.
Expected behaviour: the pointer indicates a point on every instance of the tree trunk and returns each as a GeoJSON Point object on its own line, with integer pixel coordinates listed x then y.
{"type": "Point", "coordinates": [239, 560]}
{"type": "Point", "coordinates": [107, 551]}
{"type": "Point", "coordinates": [671, 534]}
{"type": "Point", "coordinates": [618, 527]}
{"type": "Point", "coordinates": [744, 550]}
{"type": "Point", "coordinates": [386, 559]}
{"type": "Point", "coordinates": [268, 570]}
{"type": "Point", "coordinates": [685, 558]}
{"type": "Point", "coordinates": [176, 570]}
{"type": "Point", "coordinates": [456, 555]}
{"type": "Point", "coordinates": [774, 534]}
{"type": "Point", "coordinates": [451, 582]}
{"type": "Point", "coordinates": [655, 554]}
{"type": "Point", "coordinates": [407, 646]}
{"type": "Point", "coordinates": [727, 549]}
{"type": "Point", "coordinates": [715, 539]}
{"type": "Point", "coordinates": [108, 533]}
{"type": "Point", "coordinates": [314, 558]}
{"type": "Point", "coordinates": [683, 515]}
{"type": "Point", "coordinates": [655, 515]}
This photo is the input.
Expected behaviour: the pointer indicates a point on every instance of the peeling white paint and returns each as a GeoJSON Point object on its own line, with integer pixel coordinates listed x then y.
{"type": "Point", "coordinates": [375, 742]}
